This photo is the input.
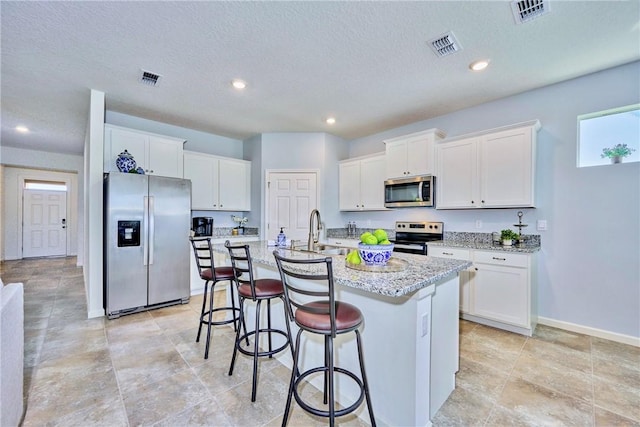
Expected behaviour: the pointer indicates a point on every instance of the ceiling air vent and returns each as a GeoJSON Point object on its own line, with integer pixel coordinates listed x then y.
{"type": "Point", "coordinates": [526, 10]}
{"type": "Point", "coordinates": [150, 79]}
{"type": "Point", "coordinates": [445, 44]}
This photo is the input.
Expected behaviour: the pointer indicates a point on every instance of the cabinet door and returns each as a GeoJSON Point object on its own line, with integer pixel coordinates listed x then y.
{"type": "Point", "coordinates": [372, 176]}
{"type": "Point", "coordinates": [420, 156]}
{"type": "Point", "coordinates": [117, 140]}
{"type": "Point", "coordinates": [234, 185]}
{"type": "Point", "coordinates": [349, 185]}
{"type": "Point", "coordinates": [501, 293]}
{"type": "Point", "coordinates": [457, 183]}
{"type": "Point", "coordinates": [165, 157]}
{"type": "Point", "coordinates": [506, 165]}
{"type": "Point", "coordinates": [464, 276]}
{"type": "Point", "coordinates": [396, 159]}
{"type": "Point", "coordinates": [203, 173]}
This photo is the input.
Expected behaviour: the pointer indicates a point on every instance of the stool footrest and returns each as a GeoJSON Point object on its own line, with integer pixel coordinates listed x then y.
{"type": "Point", "coordinates": [320, 412]}
{"type": "Point", "coordinates": [262, 353]}
{"type": "Point", "coordinates": [204, 318]}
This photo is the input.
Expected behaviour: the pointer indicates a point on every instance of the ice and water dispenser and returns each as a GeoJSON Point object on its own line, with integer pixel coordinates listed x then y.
{"type": "Point", "coordinates": [128, 233]}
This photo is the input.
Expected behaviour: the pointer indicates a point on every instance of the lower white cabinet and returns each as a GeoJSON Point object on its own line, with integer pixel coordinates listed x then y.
{"type": "Point", "coordinates": [499, 290]}
{"type": "Point", "coordinates": [464, 275]}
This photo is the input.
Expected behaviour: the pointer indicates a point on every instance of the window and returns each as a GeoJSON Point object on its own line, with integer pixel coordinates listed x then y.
{"type": "Point", "coordinates": [605, 134]}
{"type": "Point", "coordinates": [45, 185]}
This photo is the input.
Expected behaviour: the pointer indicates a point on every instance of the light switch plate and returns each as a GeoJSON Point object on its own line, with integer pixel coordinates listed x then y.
{"type": "Point", "coordinates": [541, 225]}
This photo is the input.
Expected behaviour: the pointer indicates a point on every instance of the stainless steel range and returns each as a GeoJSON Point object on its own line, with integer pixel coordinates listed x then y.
{"type": "Point", "coordinates": [412, 237]}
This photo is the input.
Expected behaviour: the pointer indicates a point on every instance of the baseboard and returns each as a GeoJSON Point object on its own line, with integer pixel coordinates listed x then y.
{"type": "Point", "coordinates": [594, 332]}
{"type": "Point", "coordinates": [95, 313]}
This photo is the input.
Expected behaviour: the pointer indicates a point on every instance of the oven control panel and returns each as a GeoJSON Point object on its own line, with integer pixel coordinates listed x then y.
{"type": "Point", "coordinates": [419, 227]}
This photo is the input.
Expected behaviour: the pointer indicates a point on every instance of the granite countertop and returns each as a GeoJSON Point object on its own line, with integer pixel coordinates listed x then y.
{"type": "Point", "coordinates": [421, 271]}
{"type": "Point", "coordinates": [527, 248]}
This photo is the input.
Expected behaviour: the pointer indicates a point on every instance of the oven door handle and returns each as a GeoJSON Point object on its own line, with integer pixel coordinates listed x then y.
{"type": "Point", "coordinates": [408, 246]}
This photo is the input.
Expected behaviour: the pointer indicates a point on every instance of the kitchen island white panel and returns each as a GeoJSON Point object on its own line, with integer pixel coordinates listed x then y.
{"type": "Point", "coordinates": [410, 333]}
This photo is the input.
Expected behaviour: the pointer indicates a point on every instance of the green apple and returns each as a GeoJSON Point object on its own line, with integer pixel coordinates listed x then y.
{"type": "Point", "coordinates": [364, 236]}
{"type": "Point", "coordinates": [370, 240]}
{"type": "Point", "coordinates": [380, 235]}
{"type": "Point", "coordinates": [385, 242]}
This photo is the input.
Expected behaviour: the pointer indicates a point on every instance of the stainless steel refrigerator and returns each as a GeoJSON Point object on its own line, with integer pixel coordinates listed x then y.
{"type": "Point", "coordinates": [147, 221]}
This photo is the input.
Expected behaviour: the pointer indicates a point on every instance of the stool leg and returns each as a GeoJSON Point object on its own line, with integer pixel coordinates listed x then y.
{"type": "Point", "coordinates": [269, 325]}
{"type": "Point", "coordinates": [332, 401]}
{"type": "Point", "coordinates": [326, 370]}
{"type": "Point", "coordinates": [204, 302]}
{"type": "Point", "coordinates": [233, 304]}
{"type": "Point", "coordinates": [237, 340]}
{"type": "Point", "coordinates": [294, 373]}
{"type": "Point", "coordinates": [256, 341]}
{"type": "Point", "coordinates": [364, 379]}
{"type": "Point", "coordinates": [206, 347]}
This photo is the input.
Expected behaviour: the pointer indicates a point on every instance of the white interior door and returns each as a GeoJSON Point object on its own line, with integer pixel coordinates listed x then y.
{"type": "Point", "coordinates": [44, 226]}
{"type": "Point", "coordinates": [291, 198]}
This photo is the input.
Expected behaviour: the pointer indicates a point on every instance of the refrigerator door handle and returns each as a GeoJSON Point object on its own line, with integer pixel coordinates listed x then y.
{"type": "Point", "coordinates": [152, 227]}
{"type": "Point", "coordinates": [145, 237]}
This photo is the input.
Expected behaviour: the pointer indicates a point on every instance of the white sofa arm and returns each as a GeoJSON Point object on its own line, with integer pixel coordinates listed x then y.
{"type": "Point", "coordinates": [11, 354]}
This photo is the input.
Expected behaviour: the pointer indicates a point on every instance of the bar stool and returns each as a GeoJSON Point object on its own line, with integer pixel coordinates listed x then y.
{"type": "Point", "coordinates": [211, 274]}
{"type": "Point", "coordinates": [324, 316]}
{"type": "Point", "coordinates": [256, 290]}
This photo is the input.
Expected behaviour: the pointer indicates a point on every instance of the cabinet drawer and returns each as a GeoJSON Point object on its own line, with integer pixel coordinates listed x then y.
{"type": "Point", "coordinates": [501, 258]}
{"type": "Point", "coordinates": [455, 253]}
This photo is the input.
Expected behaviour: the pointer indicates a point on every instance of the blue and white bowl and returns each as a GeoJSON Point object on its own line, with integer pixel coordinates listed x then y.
{"type": "Point", "coordinates": [375, 254]}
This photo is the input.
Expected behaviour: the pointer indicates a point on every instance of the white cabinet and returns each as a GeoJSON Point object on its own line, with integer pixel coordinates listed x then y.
{"type": "Point", "coordinates": [499, 290]}
{"type": "Point", "coordinates": [156, 154]}
{"type": "Point", "coordinates": [218, 183]}
{"type": "Point", "coordinates": [464, 275]}
{"type": "Point", "coordinates": [494, 169]}
{"type": "Point", "coordinates": [362, 183]}
{"type": "Point", "coordinates": [411, 155]}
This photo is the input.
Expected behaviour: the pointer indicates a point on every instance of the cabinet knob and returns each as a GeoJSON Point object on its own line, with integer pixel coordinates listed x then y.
{"type": "Point", "coordinates": [472, 202]}
{"type": "Point", "coordinates": [476, 269]}
{"type": "Point", "coordinates": [482, 201]}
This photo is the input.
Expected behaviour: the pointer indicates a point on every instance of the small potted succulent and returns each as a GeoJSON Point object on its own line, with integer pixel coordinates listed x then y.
{"type": "Point", "coordinates": [617, 152]}
{"type": "Point", "coordinates": [508, 236]}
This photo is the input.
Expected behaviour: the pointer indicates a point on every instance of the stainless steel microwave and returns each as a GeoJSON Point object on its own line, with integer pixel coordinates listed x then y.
{"type": "Point", "coordinates": [409, 192]}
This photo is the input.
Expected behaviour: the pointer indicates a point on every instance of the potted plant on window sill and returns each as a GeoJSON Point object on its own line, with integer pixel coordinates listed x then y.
{"type": "Point", "coordinates": [617, 152]}
{"type": "Point", "coordinates": [508, 236]}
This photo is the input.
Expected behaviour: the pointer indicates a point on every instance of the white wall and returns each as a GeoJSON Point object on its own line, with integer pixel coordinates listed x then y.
{"type": "Point", "coordinates": [196, 141]}
{"type": "Point", "coordinates": [589, 269]}
{"type": "Point", "coordinates": [31, 164]}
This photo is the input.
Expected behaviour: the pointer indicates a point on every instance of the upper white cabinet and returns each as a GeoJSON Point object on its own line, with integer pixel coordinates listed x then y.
{"type": "Point", "coordinates": [411, 155]}
{"type": "Point", "coordinates": [156, 154]}
{"type": "Point", "coordinates": [493, 169]}
{"type": "Point", "coordinates": [218, 183]}
{"type": "Point", "coordinates": [362, 183]}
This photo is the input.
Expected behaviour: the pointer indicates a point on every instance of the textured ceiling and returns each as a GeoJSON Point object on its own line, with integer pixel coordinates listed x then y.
{"type": "Point", "coordinates": [367, 63]}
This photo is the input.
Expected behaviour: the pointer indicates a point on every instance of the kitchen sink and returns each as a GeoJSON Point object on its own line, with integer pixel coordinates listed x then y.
{"type": "Point", "coordinates": [323, 249]}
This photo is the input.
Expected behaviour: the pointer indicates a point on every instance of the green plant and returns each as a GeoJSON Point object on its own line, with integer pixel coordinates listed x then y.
{"type": "Point", "coordinates": [507, 234]}
{"type": "Point", "coordinates": [618, 150]}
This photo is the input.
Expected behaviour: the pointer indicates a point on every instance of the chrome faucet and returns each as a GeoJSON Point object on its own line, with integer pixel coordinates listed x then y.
{"type": "Point", "coordinates": [313, 237]}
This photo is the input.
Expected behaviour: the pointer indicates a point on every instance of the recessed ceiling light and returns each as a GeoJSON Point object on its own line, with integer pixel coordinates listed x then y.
{"type": "Point", "coordinates": [479, 65]}
{"type": "Point", "coordinates": [239, 84]}
{"type": "Point", "coordinates": [22, 129]}
{"type": "Point", "coordinates": [331, 120]}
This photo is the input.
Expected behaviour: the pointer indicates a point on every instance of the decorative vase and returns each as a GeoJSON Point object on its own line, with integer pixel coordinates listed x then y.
{"type": "Point", "coordinates": [125, 162]}
{"type": "Point", "coordinates": [507, 242]}
{"type": "Point", "coordinates": [616, 159]}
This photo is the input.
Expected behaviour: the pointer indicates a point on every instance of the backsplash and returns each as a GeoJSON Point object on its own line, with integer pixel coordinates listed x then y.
{"type": "Point", "coordinates": [485, 238]}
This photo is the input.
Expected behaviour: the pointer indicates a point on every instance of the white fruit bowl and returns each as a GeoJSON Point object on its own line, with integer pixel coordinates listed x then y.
{"type": "Point", "coordinates": [375, 254]}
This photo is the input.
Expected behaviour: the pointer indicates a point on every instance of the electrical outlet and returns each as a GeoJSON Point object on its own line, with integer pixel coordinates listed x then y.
{"type": "Point", "coordinates": [478, 223]}
{"type": "Point", "coordinates": [541, 225]}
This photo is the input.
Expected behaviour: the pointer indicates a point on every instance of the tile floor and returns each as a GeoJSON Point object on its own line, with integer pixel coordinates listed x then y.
{"type": "Point", "coordinates": [146, 369]}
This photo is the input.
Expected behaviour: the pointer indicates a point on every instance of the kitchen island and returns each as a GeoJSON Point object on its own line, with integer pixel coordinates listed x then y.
{"type": "Point", "coordinates": [410, 332]}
